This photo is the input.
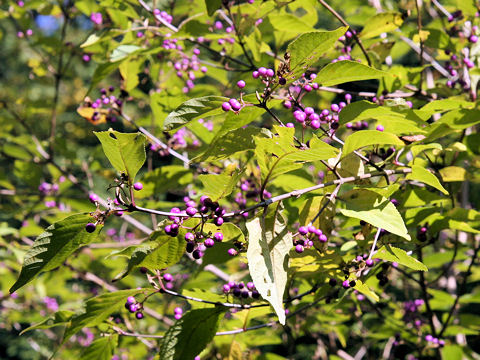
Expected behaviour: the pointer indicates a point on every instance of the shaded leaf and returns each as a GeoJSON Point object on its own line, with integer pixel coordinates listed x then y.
{"type": "Point", "coordinates": [101, 349]}
{"type": "Point", "coordinates": [54, 246]}
{"type": "Point", "coordinates": [193, 109]}
{"type": "Point", "coordinates": [191, 334]}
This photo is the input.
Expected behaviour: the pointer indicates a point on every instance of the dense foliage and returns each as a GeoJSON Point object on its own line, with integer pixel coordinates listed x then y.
{"type": "Point", "coordinates": [239, 179]}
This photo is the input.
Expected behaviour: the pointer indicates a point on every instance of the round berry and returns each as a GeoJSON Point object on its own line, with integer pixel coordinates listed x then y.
{"type": "Point", "coordinates": [133, 307]}
{"type": "Point", "coordinates": [138, 186]}
{"type": "Point", "coordinates": [218, 221]}
{"type": "Point", "coordinates": [262, 71]}
{"type": "Point", "coordinates": [332, 282]}
{"type": "Point", "coordinates": [226, 106]}
{"type": "Point", "coordinates": [473, 38]}
{"type": "Point", "coordinates": [270, 73]}
{"type": "Point", "coordinates": [197, 254]}
{"type": "Point", "coordinates": [90, 227]}
{"type": "Point", "coordinates": [226, 288]}
{"type": "Point", "coordinates": [303, 230]}
{"type": "Point", "coordinates": [178, 310]}
{"type": "Point", "coordinates": [218, 236]}
{"type": "Point", "coordinates": [299, 115]}
{"type": "Point", "coordinates": [190, 246]}
{"type": "Point", "coordinates": [315, 124]}
{"type": "Point", "coordinates": [255, 74]}
{"type": "Point", "coordinates": [380, 128]}
{"type": "Point", "coordinates": [250, 285]}
{"type": "Point", "coordinates": [130, 300]}
{"type": "Point", "coordinates": [307, 87]}
{"type": "Point", "coordinates": [232, 252]}
{"type": "Point", "coordinates": [287, 104]}
{"type": "Point", "coordinates": [93, 198]}
{"type": "Point", "coordinates": [191, 211]}
{"type": "Point", "coordinates": [235, 104]}
{"type": "Point", "coordinates": [209, 243]}
{"type": "Point", "coordinates": [299, 249]}
{"type": "Point", "coordinates": [369, 262]}
{"type": "Point", "coordinates": [189, 236]}
{"type": "Point", "coordinates": [241, 84]}
{"type": "Point", "coordinates": [139, 315]}
{"type": "Point", "coordinates": [346, 284]}
{"type": "Point", "coordinates": [282, 81]}
{"type": "Point", "coordinates": [167, 277]}
{"type": "Point", "coordinates": [309, 110]}
{"type": "Point", "coordinates": [255, 294]}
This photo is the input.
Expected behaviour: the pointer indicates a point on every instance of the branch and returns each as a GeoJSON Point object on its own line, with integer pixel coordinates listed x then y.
{"type": "Point", "coordinates": [343, 21]}
{"type": "Point", "coordinates": [295, 193]}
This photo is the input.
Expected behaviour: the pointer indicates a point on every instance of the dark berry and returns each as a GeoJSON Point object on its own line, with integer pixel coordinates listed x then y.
{"type": "Point", "coordinates": [282, 81]}
{"type": "Point", "coordinates": [332, 282]}
{"type": "Point", "coordinates": [90, 227]}
{"type": "Point", "coordinates": [255, 294]}
{"type": "Point", "coordinates": [197, 254]}
{"type": "Point", "coordinates": [190, 246]}
{"type": "Point", "coordinates": [139, 315]}
{"type": "Point", "coordinates": [352, 283]}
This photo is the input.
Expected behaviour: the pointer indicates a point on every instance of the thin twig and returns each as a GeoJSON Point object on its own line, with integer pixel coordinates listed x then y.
{"type": "Point", "coordinates": [344, 22]}
{"type": "Point", "coordinates": [374, 245]}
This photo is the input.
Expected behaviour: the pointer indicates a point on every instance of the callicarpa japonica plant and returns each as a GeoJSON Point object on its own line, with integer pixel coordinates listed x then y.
{"type": "Point", "coordinates": [220, 179]}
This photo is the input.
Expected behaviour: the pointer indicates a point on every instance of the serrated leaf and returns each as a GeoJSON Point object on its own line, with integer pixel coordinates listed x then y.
{"type": "Point", "coordinates": [54, 246]}
{"type": "Point", "coordinates": [423, 175]}
{"type": "Point", "coordinates": [60, 318]}
{"type": "Point", "coordinates": [126, 152]}
{"type": "Point", "coordinates": [347, 71]}
{"type": "Point", "coordinates": [219, 186]}
{"type": "Point", "coordinates": [193, 109]}
{"type": "Point", "coordinates": [374, 209]}
{"type": "Point", "coordinates": [365, 290]}
{"type": "Point", "coordinates": [400, 256]}
{"type": "Point", "coordinates": [98, 309]}
{"type": "Point", "coordinates": [191, 334]}
{"type": "Point", "coordinates": [161, 251]}
{"type": "Point", "coordinates": [364, 138]}
{"type": "Point", "coordinates": [381, 23]}
{"type": "Point", "coordinates": [309, 47]}
{"type": "Point", "coordinates": [101, 349]}
{"type": "Point", "coordinates": [268, 247]}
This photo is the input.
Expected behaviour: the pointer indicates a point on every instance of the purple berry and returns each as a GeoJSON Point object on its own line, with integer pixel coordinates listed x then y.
{"type": "Point", "coordinates": [232, 252]}
{"type": "Point", "coordinates": [138, 186]}
{"type": "Point", "coordinates": [346, 284]}
{"type": "Point", "coordinates": [241, 84]}
{"type": "Point", "coordinates": [178, 310]}
{"type": "Point", "coordinates": [191, 211]}
{"type": "Point", "coordinates": [218, 221]}
{"type": "Point", "coordinates": [133, 307]}
{"type": "Point", "coordinates": [299, 249]}
{"type": "Point", "coordinates": [218, 236]}
{"type": "Point", "coordinates": [303, 230]}
{"type": "Point", "coordinates": [93, 198]}
{"type": "Point", "coordinates": [197, 254]}
{"type": "Point", "coordinates": [473, 38]}
{"type": "Point", "coordinates": [282, 81]}
{"type": "Point", "coordinates": [226, 289]}
{"type": "Point", "coordinates": [369, 262]}
{"type": "Point", "coordinates": [262, 71]}
{"type": "Point", "coordinates": [255, 74]}
{"type": "Point", "coordinates": [299, 115]}
{"type": "Point", "coordinates": [90, 227]}
{"type": "Point", "coordinates": [307, 87]}
{"type": "Point", "coordinates": [139, 315]}
{"type": "Point", "coordinates": [226, 106]}
{"type": "Point", "coordinates": [167, 277]}
{"type": "Point", "coordinates": [287, 104]}
{"type": "Point", "coordinates": [380, 128]}
{"type": "Point", "coordinates": [209, 243]}
{"type": "Point", "coordinates": [250, 285]}
{"type": "Point", "coordinates": [189, 236]}
{"type": "Point", "coordinates": [309, 110]}
{"type": "Point", "coordinates": [334, 107]}
{"type": "Point", "coordinates": [130, 300]}
{"type": "Point", "coordinates": [270, 73]}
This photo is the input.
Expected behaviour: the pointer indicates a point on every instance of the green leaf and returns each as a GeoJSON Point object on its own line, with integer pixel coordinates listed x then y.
{"type": "Point", "coordinates": [365, 290]}
{"type": "Point", "coordinates": [100, 308]}
{"type": "Point", "coordinates": [193, 109]}
{"type": "Point", "coordinates": [58, 319]}
{"type": "Point", "coordinates": [233, 142]}
{"type": "Point", "coordinates": [309, 47]}
{"type": "Point", "coordinates": [452, 352]}
{"type": "Point", "coordinates": [460, 119]}
{"type": "Point", "coordinates": [394, 254]}
{"type": "Point", "coordinates": [374, 209]}
{"type": "Point", "coordinates": [363, 138]}
{"type": "Point", "coordinates": [381, 23]}
{"type": "Point", "coordinates": [219, 253]}
{"type": "Point", "coordinates": [161, 251]}
{"type": "Point", "coordinates": [122, 52]}
{"type": "Point", "coordinates": [453, 173]}
{"type": "Point", "coordinates": [101, 72]}
{"type": "Point", "coordinates": [421, 174]}
{"type": "Point", "coordinates": [268, 247]}
{"type": "Point", "coordinates": [395, 119]}
{"type": "Point", "coordinates": [101, 349]}
{"type": "Point", "coordinates": [191, 334]}
{"type": "Point", "coordinates": [54, 246]}
{"type": "Point", "coordinates": [212, 6]}
{"type": "Point", "coordinates": [126, 152]}
{"type": "Point", "coordinates": [347, 71]}
{"type": "Point", "coordinates": [219, 186]}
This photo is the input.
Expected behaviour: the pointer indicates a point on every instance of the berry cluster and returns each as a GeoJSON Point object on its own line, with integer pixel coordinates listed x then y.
{"type": "Point", "coordinates": [306, 236]}
{"type": "Point", "coordinates": [411, 314]}
{"type": "Point", "coordinates": [134, 307]}
{"type": "Point", "coordinates": [240, 290]}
